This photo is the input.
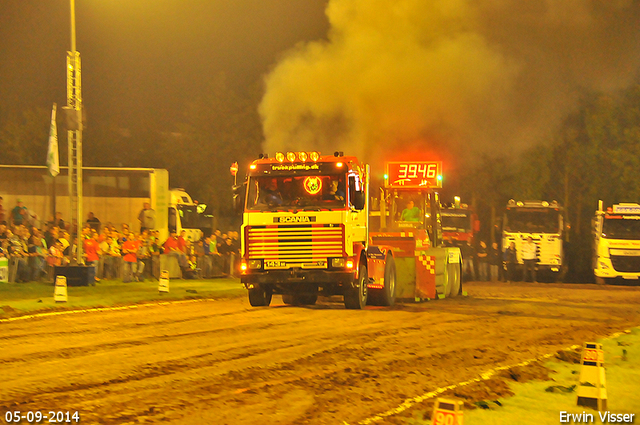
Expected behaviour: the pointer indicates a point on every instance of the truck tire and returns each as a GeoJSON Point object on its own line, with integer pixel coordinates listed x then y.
{"type": "Point", "coordinates": [387, 295]}
{"type": "Point", "coordinates": [259, 296]}
{"type": "Point", "coordinates": [453, 279]}
{"type": "Point", "coordinates": [355, 298]}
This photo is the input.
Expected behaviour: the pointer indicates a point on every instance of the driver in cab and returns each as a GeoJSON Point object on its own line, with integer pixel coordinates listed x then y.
{"type": "Point", "coordinates": [334, 193]}
{"type": "Point", "coordinates": [411, 213]}
{"type": "Point", "coordinates": [270, 193]}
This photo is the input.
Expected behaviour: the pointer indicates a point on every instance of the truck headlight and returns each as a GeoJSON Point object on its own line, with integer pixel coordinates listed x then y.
{"type": "Point", "coordinates": [337, 262]}
{"type": "Point", "coordinates": [254, 264]}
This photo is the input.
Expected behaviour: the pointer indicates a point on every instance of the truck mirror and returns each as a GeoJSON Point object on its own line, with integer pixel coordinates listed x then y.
{"type": "Point", "coordinates": [359, 200]}
{"type": "Point", "coordinates": [239, 195]}
{"type": "Point", "coordinates": [356, 197]}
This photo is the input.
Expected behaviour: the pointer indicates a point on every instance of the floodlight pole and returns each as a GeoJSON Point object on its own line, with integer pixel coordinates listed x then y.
{"type": "Point", "coordinates": [74, 136]}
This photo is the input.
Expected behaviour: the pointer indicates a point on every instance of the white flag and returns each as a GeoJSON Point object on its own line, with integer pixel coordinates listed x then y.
{"type": "Point", "coordinates": [53, 161]}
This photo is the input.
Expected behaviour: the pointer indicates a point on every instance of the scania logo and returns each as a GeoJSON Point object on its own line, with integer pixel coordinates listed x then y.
{"type": "Point", "coordinates": [294, 219]}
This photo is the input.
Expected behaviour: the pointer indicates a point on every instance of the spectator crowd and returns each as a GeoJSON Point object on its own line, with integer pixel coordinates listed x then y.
{"type": "Point", "coordinates": [34, 250]}
{"type": "Point", "coordinates": [483, 263]}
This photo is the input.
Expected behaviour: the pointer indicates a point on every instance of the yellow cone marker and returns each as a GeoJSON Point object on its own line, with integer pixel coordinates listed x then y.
{"type": "Point", "coordinates": [447, 412]}
{"type": "Point", "coordinates": [4, 270]}
{"type": "Point", "coordinates": [592, 391]}
{"type": "Point", "coordinates": [163, 282]}
{"type": "Point", "coordinates": [60, 291]}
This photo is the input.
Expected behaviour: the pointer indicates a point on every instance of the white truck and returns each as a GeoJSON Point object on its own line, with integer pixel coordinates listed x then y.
{"type": "Point", "coordinates": [542, 221]}
{"type": "Point", "coordinates": [617, 243]}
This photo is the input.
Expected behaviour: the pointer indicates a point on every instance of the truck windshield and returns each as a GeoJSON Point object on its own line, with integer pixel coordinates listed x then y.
{"type": "Point", "coordinates": [456, 222]}
{"type": "Point", "coordinates": [409, 210]}
{"type": "Point", "coordinates": [304, 192]}
{"type": "Point", "coordinates": [532, 220]}
{"type": "Point", "coordinates": [190, 218]}
{"type": "Point", "coordinates": [621, 227]}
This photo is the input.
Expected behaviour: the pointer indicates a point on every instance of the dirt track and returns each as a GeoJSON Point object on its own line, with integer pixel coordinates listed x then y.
{"type": "Point", "coordinates": [224, 362]}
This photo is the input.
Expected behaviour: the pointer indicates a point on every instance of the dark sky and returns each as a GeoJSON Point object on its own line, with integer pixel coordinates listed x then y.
{"type": "Point", "coordinates": [143, 59]}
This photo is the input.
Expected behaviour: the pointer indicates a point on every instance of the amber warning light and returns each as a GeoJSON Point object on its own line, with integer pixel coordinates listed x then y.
{"type": "Point", "coordinates": [414, 174]}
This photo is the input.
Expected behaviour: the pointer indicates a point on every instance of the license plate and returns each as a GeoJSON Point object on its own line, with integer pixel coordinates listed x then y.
{"type": "Point", "coordinates": [271, 264]}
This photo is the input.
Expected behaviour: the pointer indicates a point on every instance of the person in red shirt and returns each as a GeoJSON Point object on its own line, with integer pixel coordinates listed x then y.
{"type": "Point", "coordinates": [182, 242]}
{"type": "Point", "coordinates": [129, 249]}
{"type": "Point", "coordinates": [172, 247]}
{"type": "Point", "coordinates": [91, 248]}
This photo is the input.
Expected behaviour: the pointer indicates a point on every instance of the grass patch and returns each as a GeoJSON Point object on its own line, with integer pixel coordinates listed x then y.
{"type": "Point", "coordinates": [541, 401]}
{"type": "Point", "coordinates": [21, 298]}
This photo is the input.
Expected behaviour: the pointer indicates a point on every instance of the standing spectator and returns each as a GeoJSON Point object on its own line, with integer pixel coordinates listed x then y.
{"type": "Point", "coordinates": [3, 219]}
{"type": "Point", "coordinates": [155, 249]}
{"type": "Point", "coordinates": [105, 234]}
{"type": "Point", "coordinates": [130, 251]}
{"type": "Point", "coordinates": [147, 217]}
{"type": "Point", "coordinates": [510, 258]}
{"type": "Point", "coordinates": [37, 255]}
{"type": "Point", "coordinates": [171, 247]}
{"type": "Point", "coordinates": [18, 252]}
{"type": "Point", "coordinates": [93, 222]}
{"type": "Point", "coordinates": [91, 249]}
{"type": "Point", "coordinates": [19, 214]}
{"type": "Point", "coordinates": [468, 256]}
{"type": "Point", "coordinates": [55, 257]}
{"type": "Point", "coordinates": [87, 232]}
{"type": "Point", "coordinates": [483, 265]}
{"type": "Point", "coordinates": [219, 240]}
{"type": "Point", "coordinates": [182, 242]}
{"type": "Point", "coordinates": [51, 235]}
{"type": "Point", "coordinates": [530, 258]}
{"type": "Point", "coordinates": [33, 219]}
{"type": "Point", "coordinates": [144, 256]}
{"type": "Point", "coordinates": [235, 247]}
{"type": "Point", "coordinates": [111, 257]}
{"type": "Point", "coordinates": [494, 261]}
{"type": "Point", "coordinates": [58, 221]}
{"type": "Point", "coordinates": [64, 239]}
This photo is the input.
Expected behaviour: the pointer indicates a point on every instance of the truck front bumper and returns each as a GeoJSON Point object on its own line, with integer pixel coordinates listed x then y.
{"type": "Point", "coordinates": [283, 278]}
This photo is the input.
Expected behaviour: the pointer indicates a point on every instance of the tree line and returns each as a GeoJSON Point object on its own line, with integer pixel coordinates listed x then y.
{"type": "Point", "coordinates": [594, 154]}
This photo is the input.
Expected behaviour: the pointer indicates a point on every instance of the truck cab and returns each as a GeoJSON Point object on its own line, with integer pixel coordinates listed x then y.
{"type": "Point", "coordinates": [305, 231]}
{"type": "Point", "coordinates": [411, 223]}
{"type": "Point", "coordinates": [617, 243]}
{"type": "Point", "coordinates": [543, 221]}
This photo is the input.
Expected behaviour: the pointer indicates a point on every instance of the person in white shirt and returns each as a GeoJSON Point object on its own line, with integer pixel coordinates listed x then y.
{"type": "Point", "coordinates": [530, 258]}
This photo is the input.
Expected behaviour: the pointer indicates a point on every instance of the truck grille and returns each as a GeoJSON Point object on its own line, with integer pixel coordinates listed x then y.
{"type": "Point", "coordinates": [295, 244]}
{"type": "Point", "coordinates": [623, 263]}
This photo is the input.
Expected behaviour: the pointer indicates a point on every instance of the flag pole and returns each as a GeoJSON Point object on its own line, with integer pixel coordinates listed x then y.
{"type": "Point", "coordinates": [53, 161]}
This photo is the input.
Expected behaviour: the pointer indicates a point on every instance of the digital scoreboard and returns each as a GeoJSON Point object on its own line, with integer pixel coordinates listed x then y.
{"type": "Point", "coordinates": [414, 174]}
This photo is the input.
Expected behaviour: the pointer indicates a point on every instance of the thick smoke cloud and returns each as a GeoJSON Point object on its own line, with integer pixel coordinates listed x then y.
{"type": "Point", "coordinates": [461, 76]}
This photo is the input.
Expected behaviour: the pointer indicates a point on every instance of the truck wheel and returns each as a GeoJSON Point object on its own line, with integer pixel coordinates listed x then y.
{"type": "Point", "coordinates": [387, 295]}
{"type": "Point", "coordinates": [356, 298]}
{"type": "Point", "coordinates": [258, 296]}
{"type": "Point", "coordinates": [453, 279]}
